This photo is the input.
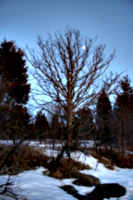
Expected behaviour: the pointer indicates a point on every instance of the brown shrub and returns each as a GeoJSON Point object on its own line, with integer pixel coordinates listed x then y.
{"type": "Point", "coordinates": [25, 158]}
{"type": "Point", "coordinates": [65, 168]}
{"type": "Point", "coordinates": [112, 158]}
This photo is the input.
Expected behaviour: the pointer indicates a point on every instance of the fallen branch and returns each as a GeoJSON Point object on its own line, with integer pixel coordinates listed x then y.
{"type": "Point", "coordinates": [7, 189]}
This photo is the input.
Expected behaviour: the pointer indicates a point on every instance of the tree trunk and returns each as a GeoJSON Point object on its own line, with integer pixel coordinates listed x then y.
{"type": "Point", "coordinates": [119, 137]}
{"type": "Point", "coordinates": [69, 124]}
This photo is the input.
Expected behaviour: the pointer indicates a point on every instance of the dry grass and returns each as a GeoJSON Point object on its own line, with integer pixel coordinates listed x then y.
{"type": "Point", "coordinates": [110, 159]}
{"type": "Point", "coordinates": [25, 158]}
{"type": "Point", "coordinates": [66, 167]}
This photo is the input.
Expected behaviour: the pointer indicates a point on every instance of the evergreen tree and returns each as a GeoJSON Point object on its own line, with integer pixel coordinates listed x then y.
{"type": "Point", "coordinates": [55, 129]}
{"type": "Point", "coordinates": [41, 125]}
{"type": "Point", "coordinates": [103, 118]}
{"type": "Point", "coordinates": [13, 73]}
{"type": "Point", "coordinates": [103, 105]}
{"type": "Point", "coordinates": [55, 122]}
{"type": "Point", "coordinates": [123, 110]}
{"type": "Point", "coordinates": [18, 122]}
{"type": "Point", "coordinates": [83, 124]}
{"type": "Point", "coordinates": [125, 98]}
{"type": "Point", "coordinates": [14, 89]}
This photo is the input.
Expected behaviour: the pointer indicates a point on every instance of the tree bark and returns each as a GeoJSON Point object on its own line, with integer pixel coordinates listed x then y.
{"type": "Point", "coordinates": [69, 124]}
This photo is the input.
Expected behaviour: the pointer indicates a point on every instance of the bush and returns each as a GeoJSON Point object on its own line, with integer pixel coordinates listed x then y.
{"type": "Point", "coordinates": [110, 158]}
{"type": "Point", "coordinates": [24, 158]}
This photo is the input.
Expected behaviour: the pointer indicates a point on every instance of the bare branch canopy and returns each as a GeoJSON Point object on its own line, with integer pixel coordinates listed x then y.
{"type": "Point", "coordinates": [67, 70]}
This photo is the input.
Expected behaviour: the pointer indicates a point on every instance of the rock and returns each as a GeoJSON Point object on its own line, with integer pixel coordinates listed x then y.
{"type": "Point", "coordinates": [46, 172]}
{"type": "Point", "coordinates": [84, 179]}
{"type": "Point", "coordinates": [71, 190]}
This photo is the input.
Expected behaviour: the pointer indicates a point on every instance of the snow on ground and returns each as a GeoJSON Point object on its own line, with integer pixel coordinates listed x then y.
{"type": "Point", "coordinates": [7, 142]}
{"type": "Point", "coordinates": [2, 197]}
{"type": "Point", "coordinates": [121, 176]}
{"type": "Point", "coordinates": [35, 186]}
{"type": "Point", "coordinates": [48, 144]}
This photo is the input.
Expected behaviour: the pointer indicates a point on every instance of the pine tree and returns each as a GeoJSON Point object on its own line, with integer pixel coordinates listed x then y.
{"type": "Point", "coordinates": [14, 90]}
{"type": "Point", "coordinates": [41, 125]}
{"type": "Point", "coordinates": [83, 124]}
{"type": "Point", "coordinates": [13, 73]}
{"type": "Point", "coordinates": [123, 111]}
{"type": "Point", "coordinates": [103, 118]}
{"type": "Point", "coordinates": [103, 105]}
{"type": "Point", "coordinates": [125, 98]}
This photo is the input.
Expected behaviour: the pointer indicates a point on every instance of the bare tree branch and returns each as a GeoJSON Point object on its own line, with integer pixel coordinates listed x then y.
{"type": "Point", "coordinates": [69, 75]}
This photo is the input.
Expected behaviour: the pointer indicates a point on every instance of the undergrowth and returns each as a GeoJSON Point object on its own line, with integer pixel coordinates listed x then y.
{"type": "Point", "coordinates": [25, 158]}
{"type": "Point", "coordinates": [28, 157]}
{"type": "Point", "coordinates": [66, 167]}
{"type": "Point", "coordinates": [111, 158]}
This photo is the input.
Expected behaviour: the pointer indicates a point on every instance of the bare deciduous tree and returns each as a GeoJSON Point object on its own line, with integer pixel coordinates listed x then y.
{"type": "Point", "coordinates": [69, 74]}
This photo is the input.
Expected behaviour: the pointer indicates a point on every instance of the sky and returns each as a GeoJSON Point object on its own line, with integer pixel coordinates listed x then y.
{"type": "Point", "coordinates": [111, 21]}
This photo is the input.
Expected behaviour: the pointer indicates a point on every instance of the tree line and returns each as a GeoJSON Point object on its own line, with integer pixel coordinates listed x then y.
{"type": "Point", "coordinates": [79, 106]}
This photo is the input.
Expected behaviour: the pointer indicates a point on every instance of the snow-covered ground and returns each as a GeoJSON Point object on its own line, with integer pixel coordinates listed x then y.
{"type": "Point", "coordinates": [35, 186]}
{"type": "Point", "coordinates": [48, 143]}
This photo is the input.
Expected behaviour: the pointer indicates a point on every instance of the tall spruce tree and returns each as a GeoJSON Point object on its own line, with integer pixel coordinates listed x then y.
{"type": "Point", "coordinates": [103, 118]}
{"type": "Point", "coordinates": [125, 98]}
{"type": "Point", "coordinates": [41, 125]}
{"type": "Point", "coordinates": [14, 89]}
{"type": "Point", "coordinates": [83, 124]}
{"type": "Point", "coordinates": [13, 73]}
{"type": "Point", "coordinates": [123, 110]}
{"type": "Point", "coordinates": [55, 129]}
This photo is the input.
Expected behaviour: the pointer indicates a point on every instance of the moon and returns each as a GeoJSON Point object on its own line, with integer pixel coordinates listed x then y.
{"type": "Point", "coordinates": [83, 47]}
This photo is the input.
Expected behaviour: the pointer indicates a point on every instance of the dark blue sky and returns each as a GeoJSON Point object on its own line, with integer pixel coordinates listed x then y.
{"type": "Point", "coordinates": [111, 21]}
